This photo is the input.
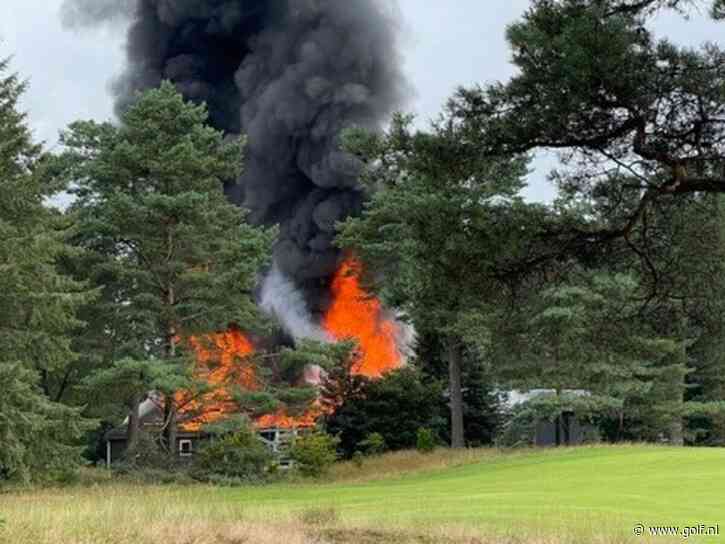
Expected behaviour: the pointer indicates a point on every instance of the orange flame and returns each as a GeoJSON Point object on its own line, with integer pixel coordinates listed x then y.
{"type": "Point", "coordinates": [354, 314]}
{"type": "Point", "coordinates": [281, 420]}
{"type": "Point", "coordinates": [222, 361]}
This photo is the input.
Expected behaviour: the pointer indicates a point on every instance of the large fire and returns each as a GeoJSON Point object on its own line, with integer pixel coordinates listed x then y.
{"type": "Point", "coordinates": [354, 314]}
{"type": "Point", "coordinates": [223, 360]}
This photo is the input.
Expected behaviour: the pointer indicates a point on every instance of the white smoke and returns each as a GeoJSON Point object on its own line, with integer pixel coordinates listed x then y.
{"type": "Point", "coordinates": [281, 299]}
{"type": "Point", "coordinates": [405, 338]}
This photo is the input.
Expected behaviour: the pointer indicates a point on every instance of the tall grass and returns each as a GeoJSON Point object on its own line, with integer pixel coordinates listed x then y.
{"type": "Point", "coordinates": [108, 512]}
{"type": "Point", "coordinates": [400, 463]}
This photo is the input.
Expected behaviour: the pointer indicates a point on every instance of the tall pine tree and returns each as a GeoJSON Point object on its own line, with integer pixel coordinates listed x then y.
{"type": "Point", "coordinates": [37, 306]}
{"type": "Point", "coordinates": [437, 230]}
{"type": "Point", "coordinates": [174, 258]}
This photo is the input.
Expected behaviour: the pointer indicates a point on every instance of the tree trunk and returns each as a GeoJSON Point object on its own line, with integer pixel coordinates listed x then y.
{"type": "Point", "coordinates": [171, 424]}
{"type": "Point", "coordinates": [678, 375]}
{"type": "Point", "coordinates": [456, 396]}
{"type": "Point", "coordinates": [134, 427]}
{"type": "Point", "coordinates": [557, 421]}
{"type": "Point", "coordinates": [620, 429]}
{"type": "Point", "coordinates": [677, 437]}
{"type": "Point", "coordinates": [170, 400]}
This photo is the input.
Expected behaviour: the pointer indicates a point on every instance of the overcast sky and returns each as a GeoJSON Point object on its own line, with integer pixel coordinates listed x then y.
{"type": "Point", "coordinates": [445, 44]}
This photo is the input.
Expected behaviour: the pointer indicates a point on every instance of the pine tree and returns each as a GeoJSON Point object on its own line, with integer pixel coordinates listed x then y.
{"type": "Point", "coordinates": [173, 257]}
{"type": "Point", "coordinates": [437, 230]}
{"type": "Point", "coordinates": [37, 306]}
{"type": "Point", "coordinates": [585, 336]}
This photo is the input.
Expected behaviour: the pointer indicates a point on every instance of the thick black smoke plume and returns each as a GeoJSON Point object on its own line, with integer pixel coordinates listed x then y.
{"type": "Point", "coordinates": [290, 74]}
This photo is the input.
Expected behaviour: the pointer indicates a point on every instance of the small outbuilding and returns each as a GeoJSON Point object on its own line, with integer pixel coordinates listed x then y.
{"type": "Point", "coordinates": [567, 430]}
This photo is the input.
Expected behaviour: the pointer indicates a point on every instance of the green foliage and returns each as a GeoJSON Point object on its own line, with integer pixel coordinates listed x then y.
{"type": "Point", "coordinates": [374, 444]}
{"type": "Point", "coordinates": [150, 205]}
{"type": "Point", "coordinates": [148, 455]}
{"type": "Point", "coordinates": [153, 476]}
{"type": "Point", "coordinates": [441, 225]}
{"type": "Point", "coordinates": [358, 458]}
{"type": "Point", "coordinates": [38, 308]}
{"type": "Point", "coordinates": [40, 438]}
{"type": "Point", "coordinates": [393, 407]}
{"type": "Point", "coordinates": [312, 352]}
{"type": "Point", "coordinates": [314, 453]}
{"type": "Point", "coordinates": [580, 66]}
{"type": "Point", "coordinates": [718, 9]}
{"type": "Point", "coordinates": [170, 255]}
{"type": "Point", "coordinates": [429, 197]}
{"type": "Point", "coordinates": [518, 429]}
{"type": "Point", "coordinates": [482, 401]}
{"type": "Point", "coordinates": [594, 81]}
{"type": "Point", "coordinates": [425, 440]}
{"type": "Point", "coordinates": [587, 334]}
{"type": "Point", "coordinates": [237, 456]}
{"type": "Point", "coordinates": [127, 377]}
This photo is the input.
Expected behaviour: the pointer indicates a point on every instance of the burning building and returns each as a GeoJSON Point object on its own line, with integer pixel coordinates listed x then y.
{"type": "Point", "coordinates": [224, 361]}
{"type": "Point", "coordinates": [290, 75]}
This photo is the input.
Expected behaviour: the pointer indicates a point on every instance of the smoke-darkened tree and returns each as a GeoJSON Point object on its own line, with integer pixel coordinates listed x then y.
{"type": "Point", "coordinates": [290, 75]}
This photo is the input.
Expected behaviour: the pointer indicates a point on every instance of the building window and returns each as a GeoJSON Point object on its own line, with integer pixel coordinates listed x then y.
{"type": "Point", "coordinates": [269, 436]}
{"type": "Point", "coordinates": [185, 448]}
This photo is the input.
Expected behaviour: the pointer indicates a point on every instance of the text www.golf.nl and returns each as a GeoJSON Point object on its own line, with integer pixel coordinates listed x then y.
{"type": "Point", "coordinates": [684, 531]}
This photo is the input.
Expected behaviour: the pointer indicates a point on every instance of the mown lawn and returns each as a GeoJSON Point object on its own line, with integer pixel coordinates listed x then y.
{"type": "Point", "coordinates": [606, 490]}
{"type": "Point", "coordinates": [594, 494]}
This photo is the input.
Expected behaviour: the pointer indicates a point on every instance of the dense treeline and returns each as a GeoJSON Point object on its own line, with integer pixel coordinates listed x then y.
{"type": "Point", "coordinates": [616, 289]}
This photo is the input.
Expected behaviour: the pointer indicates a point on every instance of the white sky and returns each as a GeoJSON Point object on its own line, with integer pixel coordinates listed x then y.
{"type": "Point", "coordinates": [446, 44]}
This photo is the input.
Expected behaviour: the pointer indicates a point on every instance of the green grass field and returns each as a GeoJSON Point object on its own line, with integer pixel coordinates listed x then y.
{"type": "Point", "coordinates": [595, 494]}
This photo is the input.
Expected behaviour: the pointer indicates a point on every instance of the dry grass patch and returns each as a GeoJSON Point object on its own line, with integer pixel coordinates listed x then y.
{"type": "Point", "coordinates": [411, 462]}
{"type": "Point", "coordinates": [400, 463]}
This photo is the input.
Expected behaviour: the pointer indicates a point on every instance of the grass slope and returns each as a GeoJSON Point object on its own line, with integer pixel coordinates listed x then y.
{"type": "Point", "coordinates": [576, 495]}
{"type": "Point", "coordinates": [592, 490]}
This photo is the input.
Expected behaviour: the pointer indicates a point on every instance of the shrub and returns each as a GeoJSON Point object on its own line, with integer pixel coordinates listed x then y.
{"type": "Point", "coordinates": [238, 456]}
{"type": "Point", "coordinates": [425, 440]}
{"type": "Point", "coordinates": [519, 430]}
{"type": "Point", "coordinates": [150, 464]}
{"type": "Point", "coordinates": [148, 455]}
{"type": "Point", "coordinates": [314, 453]}
{"type": "Point", "coordinates": [374, 444]}
{"type": "Point", "coordinates": [393, 407]}
{"type": "Point", "coordinates": [592, 435]}
{"type": "Point", "coordinates": [66, 477]}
